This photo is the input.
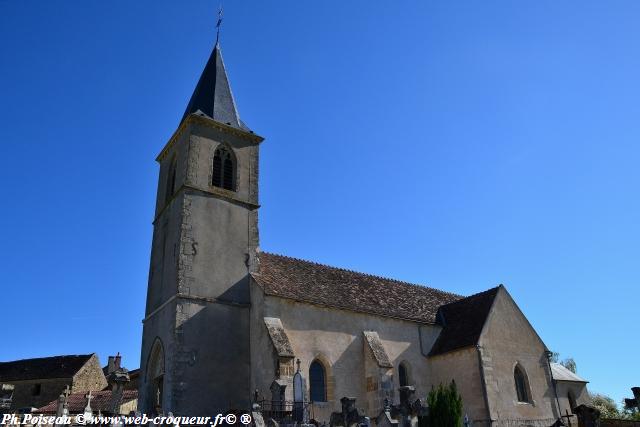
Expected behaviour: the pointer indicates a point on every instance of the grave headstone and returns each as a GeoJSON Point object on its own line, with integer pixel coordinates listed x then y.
{"type": "Point", "coordinates": [349, 416]}
{"type": "Point", "coordinates": [298, 396]}
{"type": "Point", "coordinates": [278, 388]}
{"type": "Point", "coordinates": [587, 416]}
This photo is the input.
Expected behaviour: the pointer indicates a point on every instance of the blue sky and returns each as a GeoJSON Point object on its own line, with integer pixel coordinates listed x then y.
{"type": "Point", "coordinates": [457, 144]}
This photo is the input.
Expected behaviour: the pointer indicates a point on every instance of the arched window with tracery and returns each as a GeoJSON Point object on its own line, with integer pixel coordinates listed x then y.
{"type": "Point", "coordinates": [403, 375]}
{"type": "Point", "coordinates": [522, 385]}
{"type": "Point", "coordinates": [317, 382]}
{"type": "Point", "coordinates": [224, 169]}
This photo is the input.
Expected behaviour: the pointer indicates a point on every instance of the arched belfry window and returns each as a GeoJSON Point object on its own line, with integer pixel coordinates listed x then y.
{"type": "Point", "coordinates": [403, 375]}
{"type": "Point", "coordinates": [317, 382]}
{"type": "Point", "coordinates": [171, 179]}
{"type": "Point", "coordinates": [224, 169]}
{"type": "Point", "coordinates": [522, 386]}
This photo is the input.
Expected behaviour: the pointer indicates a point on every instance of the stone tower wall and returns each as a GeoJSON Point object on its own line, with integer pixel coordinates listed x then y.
{"type": "Point", "coordinates": [198, 300]}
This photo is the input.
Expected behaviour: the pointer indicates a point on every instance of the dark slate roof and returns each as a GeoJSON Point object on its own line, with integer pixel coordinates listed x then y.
{"type": "Point", "coordinates": [212, 96]}
{"type": "Point", "coordinates": [463, 321]}
{"type": "Point", "coordinates": [77, 402]}
{"type": "Point", "coordinates": [42, 368]}
{"type": "Point", "coordinates": [335, 287]}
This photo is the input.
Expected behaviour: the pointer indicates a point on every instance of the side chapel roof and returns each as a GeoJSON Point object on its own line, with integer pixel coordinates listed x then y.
{"type": "Point", "coordinates": [462, 321]}
{"type": "Point", "coordinates": [560, 373]}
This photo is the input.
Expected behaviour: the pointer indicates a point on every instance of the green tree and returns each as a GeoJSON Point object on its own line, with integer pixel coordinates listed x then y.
{"type": "Point", "coordinates": [445, 406]}
{"type": "Point", "coordinates": [570, 364]}
{"type": "Point", "coordinates": [606, 405]}
{"type": "Point", "coordinates": [609, 409]}
{"type": "Point", "coordinates": [631, 413]}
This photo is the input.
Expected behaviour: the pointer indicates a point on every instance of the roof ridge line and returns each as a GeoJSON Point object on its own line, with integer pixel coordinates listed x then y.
{"type": "Point", "coordinates": [49, 357]}
{"type": "Point", "coordinates": [365, 274]}
{"type": "Point", "coordinates": [486, 291]}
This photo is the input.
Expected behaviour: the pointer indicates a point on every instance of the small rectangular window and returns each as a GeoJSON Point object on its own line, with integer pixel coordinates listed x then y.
{"type": "Point", "coordinates": [36, 389]}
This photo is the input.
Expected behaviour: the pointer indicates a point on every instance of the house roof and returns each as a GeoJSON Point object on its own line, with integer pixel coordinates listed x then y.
{"type": "Point", "coordinates": [319, 284]}
{"type": "Point", "coordinates": [77, 401]}
{"type": "Point", "coordinates": [560, 373]}
{"type": "Point", "coordinates": [212, 96]}
{"type": "Point", "coordinates": [463, 321]}
{"type": "Point", "coordinates": [43, 368]}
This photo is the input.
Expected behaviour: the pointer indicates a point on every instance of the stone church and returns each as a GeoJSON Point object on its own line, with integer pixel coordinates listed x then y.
{"type": "Point", "coordinates": [227, 324]}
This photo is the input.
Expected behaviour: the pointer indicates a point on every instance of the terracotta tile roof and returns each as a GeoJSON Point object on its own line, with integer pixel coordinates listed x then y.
{"type": "Point", "coordinates": [77, 401]}
{"type": "Point", "coordinates": [42, 368]}
{"type": "Point", "coordinates": [463, 321]}
{"type": "Point", "coordinates": [335, 287]}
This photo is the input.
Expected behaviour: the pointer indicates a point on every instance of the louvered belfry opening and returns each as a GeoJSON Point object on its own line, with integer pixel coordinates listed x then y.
{"type": "Point", "coordinates": [171, 180]}
{"type": "Point", "coordinates": [223, 169]}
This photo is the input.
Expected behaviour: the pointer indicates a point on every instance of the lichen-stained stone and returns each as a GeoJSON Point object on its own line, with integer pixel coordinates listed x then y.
{"type": "Point", "coordinates": [278, 337]}
{"type": "Point", "coordinates": [378, 349]}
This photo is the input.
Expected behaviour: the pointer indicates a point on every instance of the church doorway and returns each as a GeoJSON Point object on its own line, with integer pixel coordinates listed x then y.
{"type": "Point", "coordinates": [155, 379]}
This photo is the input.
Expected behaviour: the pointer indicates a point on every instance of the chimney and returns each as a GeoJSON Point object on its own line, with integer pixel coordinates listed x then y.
{"type": "Point", "coordinates": [111, 366]}
{"type": "Point", "coordinates": [117, 361]}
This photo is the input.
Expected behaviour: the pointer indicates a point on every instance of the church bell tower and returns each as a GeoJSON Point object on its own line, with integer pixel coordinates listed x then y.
{"type": "Point", "coordinates": [195, 343]}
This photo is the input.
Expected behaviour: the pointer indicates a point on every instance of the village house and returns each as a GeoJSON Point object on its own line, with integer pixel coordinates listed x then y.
{"type": "Point", "coordinates": [120, 397]}
{"type": "Point", "coordinates": [38, 381]}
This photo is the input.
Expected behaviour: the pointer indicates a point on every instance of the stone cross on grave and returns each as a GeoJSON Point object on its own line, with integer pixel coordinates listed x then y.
{"type": "Point", "coordinates": [63, 404]}
{"type": "Point", "coordinates": [87, 410]}
{"type": "Point", "coordinates": [60, 408]}
{"type": "Point", "coordinates": [568, 416]}
{"type": "Point", "coordinates": [66, 393]}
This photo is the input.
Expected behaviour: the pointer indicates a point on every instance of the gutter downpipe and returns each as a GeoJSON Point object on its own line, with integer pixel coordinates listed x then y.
{"type": "Point", "coordinates": [420, 339]}
{"type": "Point", "coordinates": [548, 355]}
{"type": "Point", "coordinates": [484, 384]}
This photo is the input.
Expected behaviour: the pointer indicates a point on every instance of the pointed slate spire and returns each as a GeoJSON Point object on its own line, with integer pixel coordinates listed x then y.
{"type": "Point", "coordinates": [212, 96]}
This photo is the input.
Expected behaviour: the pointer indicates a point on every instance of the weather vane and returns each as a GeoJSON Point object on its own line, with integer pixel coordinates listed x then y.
{"type": "Point", "coordinates": [219, 23]}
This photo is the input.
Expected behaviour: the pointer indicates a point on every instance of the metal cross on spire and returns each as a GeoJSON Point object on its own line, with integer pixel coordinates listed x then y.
{"type": "Point", "coordinates": [218, 24]}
